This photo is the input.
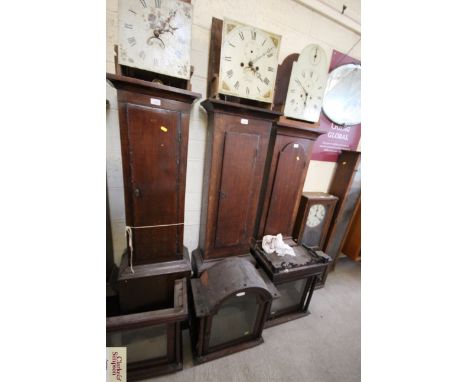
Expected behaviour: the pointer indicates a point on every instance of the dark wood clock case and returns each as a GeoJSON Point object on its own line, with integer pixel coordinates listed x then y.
{"type": "Point", "coordinates": [235, 159]}
{"type": "Point", "coordinates": [346, 185]}
{"type": "Point", "coordinates": [153, 338]}
{"type": "Point", "coordinates": [154, 121]}
{"type": "Point", "coordinates": [308, 200]}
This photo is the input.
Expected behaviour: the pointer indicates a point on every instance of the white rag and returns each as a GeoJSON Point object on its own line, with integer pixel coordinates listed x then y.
{"type": "Point", "coordinates": [276, 244]}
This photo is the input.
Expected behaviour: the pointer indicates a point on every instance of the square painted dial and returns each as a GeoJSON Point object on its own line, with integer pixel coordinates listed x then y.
{"type": "Point", "coordinates": [155, 35]}
{"type": "Point", "coordinates": [248, 62]}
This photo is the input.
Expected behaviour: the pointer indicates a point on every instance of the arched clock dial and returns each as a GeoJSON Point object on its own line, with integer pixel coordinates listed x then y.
{"type": "Point", "coordinates": [307, 85]}
{"type": "Point", "coordinates": [316, 215]}
{"type": "Point", "coordinates": [155, 35]}
{"type": "Point", "coordinates": [248, 62]}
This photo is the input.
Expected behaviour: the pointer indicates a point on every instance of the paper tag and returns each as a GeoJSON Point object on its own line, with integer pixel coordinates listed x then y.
{"type": "Point", "coordinates": [116, 364]}
{"type": "Point", "coordinates": [155, 101]}
{"type": "Point", "coordinates": [244, 121]}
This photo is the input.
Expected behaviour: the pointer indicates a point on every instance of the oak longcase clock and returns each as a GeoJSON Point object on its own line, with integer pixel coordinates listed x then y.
{"type": "Point", "coordinates": [248, 62]}
{"type": "Point", "coordinates": [155, 35]}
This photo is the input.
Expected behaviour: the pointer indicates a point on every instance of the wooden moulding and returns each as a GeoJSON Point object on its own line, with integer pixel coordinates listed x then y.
{"type": "Point", "coordinates": [226, 279]}
{"type": "Point", "coordinates": [172, 318]}
{"type": "Point", "coordinates": [153, 89]}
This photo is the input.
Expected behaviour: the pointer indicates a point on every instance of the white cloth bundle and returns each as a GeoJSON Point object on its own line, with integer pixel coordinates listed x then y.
{"type": "Point", "coordinates": [276, 244]}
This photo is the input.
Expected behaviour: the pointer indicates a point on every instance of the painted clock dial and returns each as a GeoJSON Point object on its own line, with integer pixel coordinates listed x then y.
{"type": "Point", "coordinates": [316, 215]}
{"type": "Point", "coordinates": [248, 62]}
{"type": "Point", "coordinates": [307, 84]}
{"type": "Point", "coordinates": [155, 35]}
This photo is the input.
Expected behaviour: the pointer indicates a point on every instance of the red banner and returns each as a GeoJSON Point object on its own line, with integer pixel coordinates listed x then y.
{"type": "Point", "coordinates": [329, 145]}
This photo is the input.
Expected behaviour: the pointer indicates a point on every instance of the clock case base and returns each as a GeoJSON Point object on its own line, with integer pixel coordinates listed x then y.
{"type": "Point", "coordinates": [151, 284]}
{"type": "Point", "coordinates": [307, 267]}
{"type": "Point", "coordinates": [171, 317]}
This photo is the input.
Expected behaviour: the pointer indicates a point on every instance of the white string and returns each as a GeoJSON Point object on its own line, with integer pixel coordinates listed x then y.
{"type": "Point", "coordinates": [128, 232]}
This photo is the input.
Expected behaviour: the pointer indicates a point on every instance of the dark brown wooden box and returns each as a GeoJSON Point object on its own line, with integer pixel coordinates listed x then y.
{"type": "Point", "coordinates": [151, 285]}
{"type": "Point", "coordinates": [294, 278]}
{"type": "Point", "coordinates": [161, 326]}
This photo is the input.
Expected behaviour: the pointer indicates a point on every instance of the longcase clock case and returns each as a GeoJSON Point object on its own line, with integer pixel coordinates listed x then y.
{"type": "Point", "coordinates": [235, 158]}
{"type": "Point", "coordinates": [154, 121]}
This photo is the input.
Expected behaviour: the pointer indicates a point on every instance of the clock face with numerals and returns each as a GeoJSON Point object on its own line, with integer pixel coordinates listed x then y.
{"type": "Point", "coordinates": [316, 215]}
{"type": "Point", "coordinates": [307, 85]}
{"type": "Point", "coordinates": [155, 35]}
{"type": "Point", "coordinates": [248, 62]}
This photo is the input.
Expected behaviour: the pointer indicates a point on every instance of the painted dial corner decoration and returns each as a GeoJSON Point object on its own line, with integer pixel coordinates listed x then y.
{"type": "Point", "coordinates": [155, 35]}
{"type": "Point", "coordinates": [248, 62]}
{"type": "Point", "coordinates": [316, 215]}
{"type": "Point", "coordinates": [307, 84]}
{"type": "Point", "coordinates": [342, 100]}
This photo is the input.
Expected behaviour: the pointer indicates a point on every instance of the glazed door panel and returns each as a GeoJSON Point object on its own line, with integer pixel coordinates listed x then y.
{"type": "Point", "coordinates": [237, 180]}
{"type": "Point", "coordinates": [154, 151]}
{"type": "Point", "coordinates": [288, 177]}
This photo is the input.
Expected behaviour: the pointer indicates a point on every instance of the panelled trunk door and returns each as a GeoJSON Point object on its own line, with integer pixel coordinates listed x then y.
{"type": "Point", "coordinates": [237, 179]}
{"type": "Point", "coordinates": [237, 168]}
{"type": "Point", "coordinates": [154, 151]}
{"type": "Point", "coordinates": [290, 172]}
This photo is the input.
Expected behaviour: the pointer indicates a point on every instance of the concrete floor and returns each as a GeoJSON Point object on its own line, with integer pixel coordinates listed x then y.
{"type": "Point", "coordinates": [324, 346]}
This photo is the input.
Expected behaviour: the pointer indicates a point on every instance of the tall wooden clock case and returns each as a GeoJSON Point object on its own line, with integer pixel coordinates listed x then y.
{"type": "Point", "coordinates": [240, 126]}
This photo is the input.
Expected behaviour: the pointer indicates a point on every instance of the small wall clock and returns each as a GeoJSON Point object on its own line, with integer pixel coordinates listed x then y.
{"type": "Point", "coordinates": [248, 62]}
{"type": "Point", "coordinates": [307, 84]}
{"type": "Point", "coordinates": [342, 99]}
{"type": "Point", "coordinates": [314, 218]}
{"type": "Point", "coordinates": [155, 35]}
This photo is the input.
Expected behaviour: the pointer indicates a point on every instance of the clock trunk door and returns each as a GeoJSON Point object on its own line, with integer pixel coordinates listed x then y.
{"type": "Point", "coordinates": [154, 151]}
{"type": "Point", "coordinates": [236, 190]}
{"type": "Point", "coordinates": [290, 173]}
